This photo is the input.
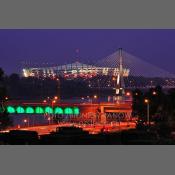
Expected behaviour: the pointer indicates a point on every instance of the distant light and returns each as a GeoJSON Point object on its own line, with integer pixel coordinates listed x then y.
{"type": "Point", "coordinates": [95, 96]}
{"type": "Point", "coordinates": [25, 73]}
{"type": "Point", "coordinates": [146, 101]}
{"type": "Point", "coordinates": [44, 101]}
{"type": "Point", "coordinates": [54, 101]}
{"type": "Point", "coordinates": [154, 93]}
{"type": "Point", "coordinates": [25, 120]}
{"type": "Point", "coordinates": [128, 94]}
{"type": "Point", "coordinates": [56, 98]}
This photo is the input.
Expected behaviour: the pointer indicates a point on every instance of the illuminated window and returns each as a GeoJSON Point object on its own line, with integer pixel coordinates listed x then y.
{"type": "Point", "coordinates": [29, 110]}
{"type": "Point", "coordinates": [39, 110]}
{"type": "Point", "coordinates": [76, 111]}
{"type": "Point", "coordinates": [20, 110]}
{"type": "Point", "coordinates": [10, 109]}
{"type": "Point", "coordinates": [58, 110]}
{"type": "Point", "coordinates": [48, 110]}
{"type": "Point", "coordinates": [68, 111]}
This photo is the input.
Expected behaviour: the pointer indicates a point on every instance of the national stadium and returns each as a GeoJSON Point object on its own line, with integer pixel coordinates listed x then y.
{"type": "Point", "coordinates": [136, 72]}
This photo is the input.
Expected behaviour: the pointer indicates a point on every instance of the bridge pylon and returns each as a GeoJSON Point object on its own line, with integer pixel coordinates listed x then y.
{"type": "Point", "coordinates": [120, 85]}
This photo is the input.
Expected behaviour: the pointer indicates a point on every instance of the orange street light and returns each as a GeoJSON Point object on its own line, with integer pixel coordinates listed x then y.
{"type": "Point", "coordinates": [113, 78]}
{"type": "Point", "coordinates": [56, 98]}
{"type": "Point", "coordinates": [54, 101]}
{"type": "Point", "coordinates": [95, 96]}
{"type": "Point", "coordinates": [148, 118]}
{"type": "Point", "coordinates": [146, 101]}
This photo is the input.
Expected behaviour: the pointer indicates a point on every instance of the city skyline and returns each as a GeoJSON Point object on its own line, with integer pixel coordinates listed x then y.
{"type": "Point", "coordinates": [60, 46]}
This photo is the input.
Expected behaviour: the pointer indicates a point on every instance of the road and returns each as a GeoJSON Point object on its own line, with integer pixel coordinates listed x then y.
{"type": "Point", "coordinates": [92, 129]}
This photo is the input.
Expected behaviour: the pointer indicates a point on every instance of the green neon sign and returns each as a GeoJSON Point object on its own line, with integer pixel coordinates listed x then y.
{"type": "Point", "coordinates": [48, 110]}
{"type": "Point", "coordinates": [39, 110]}
{"type": "Point", "coordinates": [68, 111]}
{"type": "Point", "coordinates": [42, 110]}
{"type": "Point", "coordinates": [20, 110]}
{"type": "Point", "coordinates": [10, 109]}
{"type": "Point", "coordinates": [30, 110]}
{"type": "Point", "coordinates": [58, 110]}
{"type": "Point", "coordinates": [76, 110]}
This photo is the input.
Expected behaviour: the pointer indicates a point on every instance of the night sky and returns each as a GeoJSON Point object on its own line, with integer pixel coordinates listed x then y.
{"type": "Point", "coordinates": [64, 46]}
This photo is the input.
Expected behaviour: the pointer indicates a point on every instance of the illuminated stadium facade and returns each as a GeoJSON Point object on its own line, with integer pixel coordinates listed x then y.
{"type": "Point", "coordinates": [135, 72]}
{"type": "Point", "coordinates": [72, 71]}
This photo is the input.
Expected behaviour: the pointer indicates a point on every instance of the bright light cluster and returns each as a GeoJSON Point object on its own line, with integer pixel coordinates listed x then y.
{"type": "Point", "coordinates": [43, 110]}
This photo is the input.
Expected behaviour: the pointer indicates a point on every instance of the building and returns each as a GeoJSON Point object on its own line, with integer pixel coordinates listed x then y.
{"type": "Point", "coordinates": [71, 71]}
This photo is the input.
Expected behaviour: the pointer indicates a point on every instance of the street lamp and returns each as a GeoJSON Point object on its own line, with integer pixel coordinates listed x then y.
{"type": "Point", "coordinates": [49, 120]}
{"type": "Point", "coordinates": [95, 96]}
{"type": "Point", "coordinates": [128, 93]}
{"type": "Point", "coordinates": [56, 98]}
{"type": "Point", "coordinates": [154, 93]}
{"type": "Point", "coordinates": [26, 121]}
{"type": "Point", "coordinates": [148, 117]}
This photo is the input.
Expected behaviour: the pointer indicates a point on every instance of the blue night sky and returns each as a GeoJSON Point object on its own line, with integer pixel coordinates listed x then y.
{"type": "Point", "coordinates": [59, 46]}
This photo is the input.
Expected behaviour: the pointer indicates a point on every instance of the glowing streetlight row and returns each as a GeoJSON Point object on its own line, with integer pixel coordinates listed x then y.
{"type": "Point", "coordinates": [42, 110]}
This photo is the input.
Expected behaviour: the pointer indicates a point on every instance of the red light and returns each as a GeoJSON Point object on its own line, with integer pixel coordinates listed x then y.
{"type": "Point", "coordinates": [128, 94]}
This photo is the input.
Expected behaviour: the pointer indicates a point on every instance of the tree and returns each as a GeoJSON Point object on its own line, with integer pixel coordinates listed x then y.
{"type": "Point", "coordinates": [5, 120]}
{"type": "Point", "coordinates": [4, 117]}
{"type": "Point", "coordinates": [1, 74]}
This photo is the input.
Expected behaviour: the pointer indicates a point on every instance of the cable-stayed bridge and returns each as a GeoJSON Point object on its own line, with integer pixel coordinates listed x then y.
{"type": "Point", "coordinates": [137, 66]}
{"type": "Point", "coordinates": [103, 73]}
{"type": "Point", "coordinates": [141, 74]}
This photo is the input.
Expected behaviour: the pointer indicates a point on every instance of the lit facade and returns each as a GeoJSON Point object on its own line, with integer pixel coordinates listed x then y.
{"type": "Point", "coordinates": [72, 71]}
